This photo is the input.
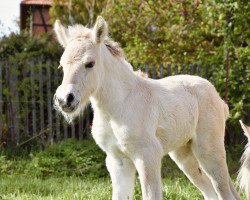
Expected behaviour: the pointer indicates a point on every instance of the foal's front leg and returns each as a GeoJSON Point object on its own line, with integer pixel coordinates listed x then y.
{"type": "Point", "coordinates": [148, 165]}
{"type": "Point", "coordinates": [122, 172]}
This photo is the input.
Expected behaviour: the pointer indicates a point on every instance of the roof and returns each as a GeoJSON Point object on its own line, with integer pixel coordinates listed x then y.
{"type": "Point", "coordinates": [36, 2]}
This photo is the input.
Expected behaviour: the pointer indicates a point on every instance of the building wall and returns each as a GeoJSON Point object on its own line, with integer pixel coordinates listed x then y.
{"type": "Point", "coordinates": [40, 20]}
{"type": "Point", "coordinates": [35, 18]}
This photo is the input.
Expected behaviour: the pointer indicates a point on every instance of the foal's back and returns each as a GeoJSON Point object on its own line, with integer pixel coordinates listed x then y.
{"type": "Point", "coordinates": [192, 100]}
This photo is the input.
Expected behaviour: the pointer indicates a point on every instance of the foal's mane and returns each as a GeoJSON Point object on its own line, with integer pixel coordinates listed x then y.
{"type": "Point", "coordinates": [114, 47]}
{"type": "Point", "coordinates": [80, 31]}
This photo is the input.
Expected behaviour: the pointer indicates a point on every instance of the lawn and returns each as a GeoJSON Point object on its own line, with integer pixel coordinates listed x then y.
{"type": "Point", "coordinates": [75, 170]}
{"type": "Point", "coordinates": [76, 188]}
{"type": "Point", "coordinates": [23, 187]}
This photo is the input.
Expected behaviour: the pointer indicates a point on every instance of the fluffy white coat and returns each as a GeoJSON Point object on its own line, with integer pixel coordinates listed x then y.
{"type": "Point", "coordinates": [138, 120]}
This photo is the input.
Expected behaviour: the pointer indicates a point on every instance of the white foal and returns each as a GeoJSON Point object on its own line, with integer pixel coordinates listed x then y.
{"type": "Point", "coordinates": [138, 120]}
{"type": "Point", "coordinates": [244, 173]}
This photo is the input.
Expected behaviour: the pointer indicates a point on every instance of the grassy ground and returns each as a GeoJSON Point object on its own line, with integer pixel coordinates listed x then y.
{"type": "Point", "coordinates": [75, 188]}
{"type": "Point", "coordinates": [76, 171]}
{"type": "Point", "coordinates": [20, 187]}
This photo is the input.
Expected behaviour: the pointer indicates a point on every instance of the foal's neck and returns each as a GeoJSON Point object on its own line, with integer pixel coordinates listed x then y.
{"type": "Point", "coordinates": [119, 81]}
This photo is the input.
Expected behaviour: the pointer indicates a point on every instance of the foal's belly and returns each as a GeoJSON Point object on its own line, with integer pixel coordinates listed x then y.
{"type": "Point", "coordinates": [171, 141]}
{"type": "Point", "coordinates": [175, 130]}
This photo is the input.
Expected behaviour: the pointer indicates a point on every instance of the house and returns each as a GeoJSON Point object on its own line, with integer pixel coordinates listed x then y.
{"type": "Point", "coordinates": [34, 16]}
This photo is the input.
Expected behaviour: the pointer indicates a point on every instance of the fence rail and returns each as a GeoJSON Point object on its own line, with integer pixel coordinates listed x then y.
{"type": "Point", "coordinates": [26, 107]}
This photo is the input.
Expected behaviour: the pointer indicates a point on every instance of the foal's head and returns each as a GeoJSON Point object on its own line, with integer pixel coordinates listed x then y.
{"type": "Point", "coordinates": [81, 63]}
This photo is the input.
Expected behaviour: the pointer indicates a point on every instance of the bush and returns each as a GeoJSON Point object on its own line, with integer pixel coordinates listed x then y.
{"type": "Point", "coordinates": [19, 47]}
{"type": "Point", "coordinates": [68, 158]}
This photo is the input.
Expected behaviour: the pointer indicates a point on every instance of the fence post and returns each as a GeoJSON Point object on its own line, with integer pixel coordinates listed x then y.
{"type": "Point", "coordinates": [15, 101]}
{"type": "Point", "coordinates": [49, 106]}
{"type": "Point", "coordinates": [169, 70]}
{"type": "Point", "coordinates": [161, 71]}
{"type": "Point", "coordinates": [184, 69]}
{"type": "Point", "coordinates": [191, 69]}
{"type": "Point", "coordinates": [65, 129]}
{"type": "Point", "coordinates": [175, 69]}
{"type": "Point", "coordinates": [33, 98]}
{"type": "Point", "coordinates": [199, 70]}
{"type": "Point", "coordinates": [88, 110]}
{"type": "Point", "coordinates": [212, 76]}
{"type": "Point", "coordinates": [153, 72]}
{"type": "Point", "coordinates": [26, 104]}
{"type": "Point", "coordinates": [80, 129]}
{"type": "Point", "coordinates": [57, 115]}
{"type": "Point", "coordinates": [73, 134]}
{"type": "Point", "coordinates": [41, 120]}
{"type": "Point", "coordinates": [207, 73]}
{"type": "Point", "coordinates": [10, 106]}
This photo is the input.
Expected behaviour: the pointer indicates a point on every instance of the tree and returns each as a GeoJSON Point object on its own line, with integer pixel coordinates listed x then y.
{"type": "Point", "coordinates": [77, 11]}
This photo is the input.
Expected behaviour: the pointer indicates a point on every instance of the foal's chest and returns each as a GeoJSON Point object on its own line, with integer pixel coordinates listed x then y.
{"type": "Point", "coordinates": [106, 140]}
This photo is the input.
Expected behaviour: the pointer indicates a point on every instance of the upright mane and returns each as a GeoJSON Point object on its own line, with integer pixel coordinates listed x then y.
{"type": "Point", "coordinates": [114, 47]}
{"type": "Point", "coordinates": [80, 31]}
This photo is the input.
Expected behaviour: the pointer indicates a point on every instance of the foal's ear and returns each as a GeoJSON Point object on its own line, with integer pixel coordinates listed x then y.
{"type": "Point", "coordinates": [100, 29]}
{"type": "Point", "coordinates": [246, 130]}
{"type": "Point", "coordinates": [62, 33]}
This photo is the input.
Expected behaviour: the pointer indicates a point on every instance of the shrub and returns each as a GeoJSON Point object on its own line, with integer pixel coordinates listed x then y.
{"type": "Point", "coordinates": [68, 158]}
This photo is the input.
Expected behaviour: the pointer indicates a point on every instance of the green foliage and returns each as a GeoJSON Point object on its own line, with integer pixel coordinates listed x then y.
{"type": "Point", "coordinates": [238, 98]}
{"type": "Point", "coordinates": [175, 32]}
{"type": "Point", "coordinates": [167, 31]}
{"type": "Point", "coordinates": [68, 158]}
{"type": "Point", "coordinates": [87, 11]}
{"type": "Point", "coordinates": [18, 47]}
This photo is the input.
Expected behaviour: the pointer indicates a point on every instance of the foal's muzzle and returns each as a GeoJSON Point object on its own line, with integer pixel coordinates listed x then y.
{"type": "Point", "coordinates": [67, 104]}
{"type": "Point", "coordinates": [67, 98]}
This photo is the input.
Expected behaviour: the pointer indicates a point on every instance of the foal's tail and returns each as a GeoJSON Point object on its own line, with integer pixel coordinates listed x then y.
{"type": "Point", "coordinates": [244, 173]}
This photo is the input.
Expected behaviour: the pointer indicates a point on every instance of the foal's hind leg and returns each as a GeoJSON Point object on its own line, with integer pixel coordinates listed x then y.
{"type": "Point", "coordinates": [208, 147]}
{"type": "Point", "coordinates": [187, 162]}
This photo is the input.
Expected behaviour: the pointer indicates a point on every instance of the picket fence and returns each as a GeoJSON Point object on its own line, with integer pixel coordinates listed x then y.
{"type": "Point", "coordinates": [26, 100]}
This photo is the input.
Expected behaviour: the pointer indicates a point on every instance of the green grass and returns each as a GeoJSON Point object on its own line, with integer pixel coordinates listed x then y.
{"type": "Point", "coordinates": [20, 187]}
{"type": "Point", "coordinates": [54, 188]}
{"type": "Point", "coordinates": [75, 170]}
{"type": "Point", "coordinates": [75, 188]}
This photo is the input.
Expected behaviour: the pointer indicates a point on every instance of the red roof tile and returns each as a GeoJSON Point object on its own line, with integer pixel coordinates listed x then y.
{"type": "Point", "coordinates": [36, 2]}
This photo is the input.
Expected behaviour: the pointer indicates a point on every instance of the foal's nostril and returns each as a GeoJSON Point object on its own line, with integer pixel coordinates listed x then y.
{"type": "Point", "coordinates": [70, 98]}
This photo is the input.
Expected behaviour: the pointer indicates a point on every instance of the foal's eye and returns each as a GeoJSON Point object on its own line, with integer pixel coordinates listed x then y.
{"type": "Point", "coordinates": [90, 65]}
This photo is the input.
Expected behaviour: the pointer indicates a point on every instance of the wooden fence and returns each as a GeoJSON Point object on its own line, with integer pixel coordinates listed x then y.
{"type": "Point", "coordinates": [26, 107]}
{"type": "Point", "coordinates": [26, 100]}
